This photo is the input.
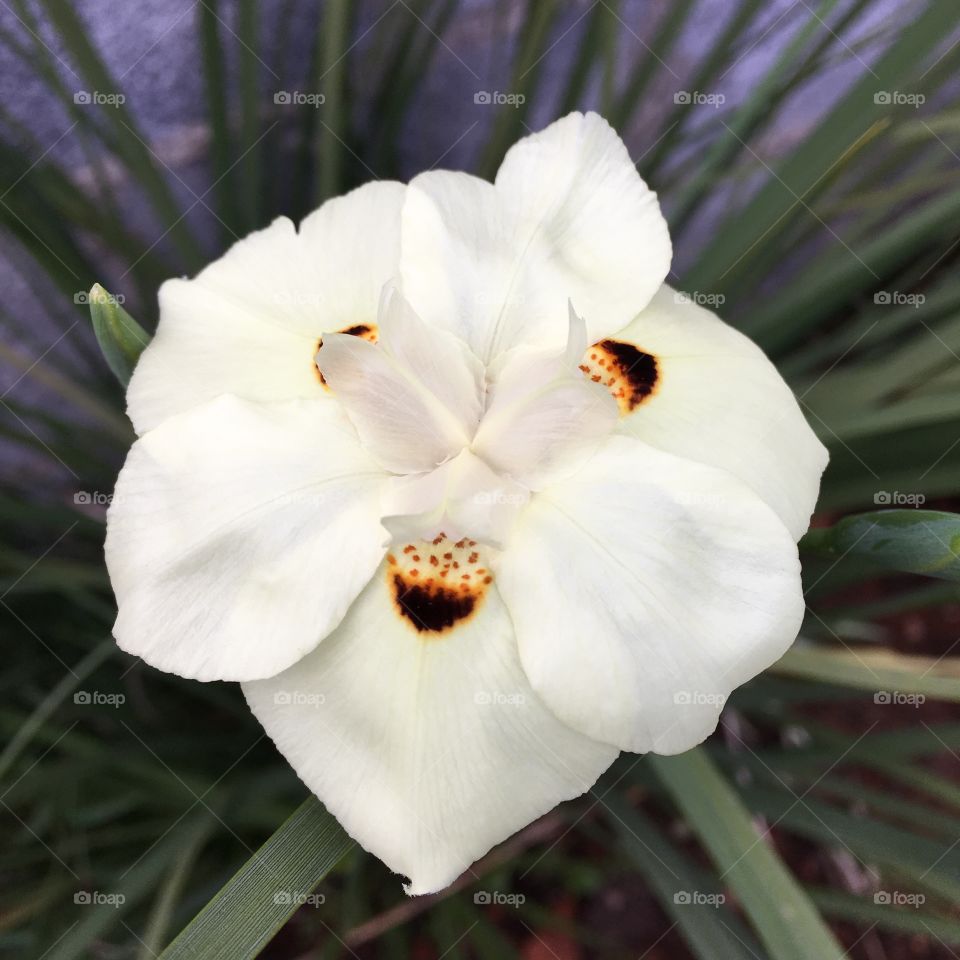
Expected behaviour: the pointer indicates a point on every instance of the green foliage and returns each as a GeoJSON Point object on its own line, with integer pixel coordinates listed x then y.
{"type": "Point", "coordinates": [836, 252]}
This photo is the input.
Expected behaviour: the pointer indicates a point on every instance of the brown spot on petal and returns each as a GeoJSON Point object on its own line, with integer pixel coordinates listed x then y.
{"type": "Point", "coordinates": [626, 371]}
{"type": "Point", "coordinates": [430, 609]}
{"type": "Point", "coordinates": [366, 331]}
{"type": "Point", "coordinates": [433, 606]}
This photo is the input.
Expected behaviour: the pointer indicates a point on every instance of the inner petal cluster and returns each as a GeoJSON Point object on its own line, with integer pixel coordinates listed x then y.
{"type": "Point", "coordinates": [466, 442]}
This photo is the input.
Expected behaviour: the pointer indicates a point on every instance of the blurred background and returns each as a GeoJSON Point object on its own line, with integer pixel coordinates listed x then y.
{"type": "Point", "coordinates": [807, 155]}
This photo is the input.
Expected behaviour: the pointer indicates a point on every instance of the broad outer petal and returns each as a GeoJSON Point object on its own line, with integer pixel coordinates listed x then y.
{"type": "Point", "coordinates": [568, 218]}
{"type": "Point", "coordinates": [720, 401]}
{"type": "Point", "coordinates": [250, 322]}
{"type": "Point", "coordinates": [644, 590]}
{"type": "Point", "coordinates": [428, 749]}
{"type": "Point", "coordinates": [238, 536]}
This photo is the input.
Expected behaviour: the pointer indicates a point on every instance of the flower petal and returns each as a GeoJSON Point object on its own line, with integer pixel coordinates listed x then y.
{"type": "Point", "coordinates": [643, 590]}
{"type": "Point", "coordinates": [544, 418]}
{"type": "Point", "coordinates": [429, 749]}
{"type": "Point", "coordinates": [462, 497]}
{"type": "Point", "coordinates": [238, 536]}
{"type": "Point", "coordinates": [415, 397]}
{"type": "Point", "coordinates": [720, 401]}
{"type": "Point", "coordinates": [568, 217]}
{"type": "Point", "coordinates": [249, 323]}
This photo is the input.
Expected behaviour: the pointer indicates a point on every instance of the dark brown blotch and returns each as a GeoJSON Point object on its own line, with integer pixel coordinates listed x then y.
{"type": "Point", "coordinates": [432, 609]}
{"type": "Point", "coordinates": [637, 368]}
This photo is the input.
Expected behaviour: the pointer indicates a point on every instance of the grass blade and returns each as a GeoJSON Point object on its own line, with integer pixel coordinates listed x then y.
{"type": "Point", "coordinates": [243, 917]}
{"type": "Point", "coordinates": [781, 913]}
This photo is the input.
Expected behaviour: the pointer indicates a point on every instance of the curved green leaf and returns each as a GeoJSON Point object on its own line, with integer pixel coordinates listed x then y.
{"type": "Point", "coordinates": [915, 541]}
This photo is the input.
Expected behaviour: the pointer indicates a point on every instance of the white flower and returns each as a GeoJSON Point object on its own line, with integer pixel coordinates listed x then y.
{"type": "Point", "coordinates": [472, 546]}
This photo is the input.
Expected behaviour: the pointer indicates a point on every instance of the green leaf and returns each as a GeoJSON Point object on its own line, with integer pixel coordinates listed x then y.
{"type": "Point", "coordinates": [710, 930]}
{"type": "Point", "coordinates": [882, 671]}
{"type": "Point", "coordinates": [914, 541]}
{"type": "Point", "coordinates": [121, 338]}
{"type": "Point", "coordinates": [903, 853]}
{"type": "Point", "coordinates": [782, 914]}
{"type": "Point", "coordinates": [134, 885]}
{"type": "Point", "coordinates": [243, 917]}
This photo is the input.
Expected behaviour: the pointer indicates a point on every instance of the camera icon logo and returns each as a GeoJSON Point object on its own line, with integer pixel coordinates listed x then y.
{"type": "Point", "coordinates": [283, 698]}
{"type": "Point", "coordinates": [482, 97]}
{"type": "Point", "coordinates": [82, 96]}
{"type": "Point", "coordinates": [282, 96]}
{"type": "Point", "coordinates": [82, 697]}
{"type": "Point", "coordinates": [482, 897]}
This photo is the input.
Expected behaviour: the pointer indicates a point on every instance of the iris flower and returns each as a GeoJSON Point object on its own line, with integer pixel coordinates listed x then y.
{"type": "Point", "coordinates": [466, 498]}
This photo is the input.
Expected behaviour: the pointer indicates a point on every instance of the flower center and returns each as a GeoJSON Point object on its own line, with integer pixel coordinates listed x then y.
{"type": "Point", "coordinates": [626, 371]}
{"type": "Point", "coordinates": [437, 584]}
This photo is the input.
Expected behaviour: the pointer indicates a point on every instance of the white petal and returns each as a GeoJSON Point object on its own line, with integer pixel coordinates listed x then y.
{"type": "Point", "coordinates": [415, 397]}
{"type": "Point", "coordinates": [238, 536]}
{"type": "Point", "coordinates": [428, 749]}
{"type": "Point", "coordinates": [569, 217]}
{"type": "Point", "coordinates": [719, 400]}
{"type": "Point", "coordinates": [250, 322]}
{"type": "Point", "coordinates": [645, 589]}
{"type": "Point", "coordinates": [544, 418]}
{"type": "Point", "coordinates": [461, 498]}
